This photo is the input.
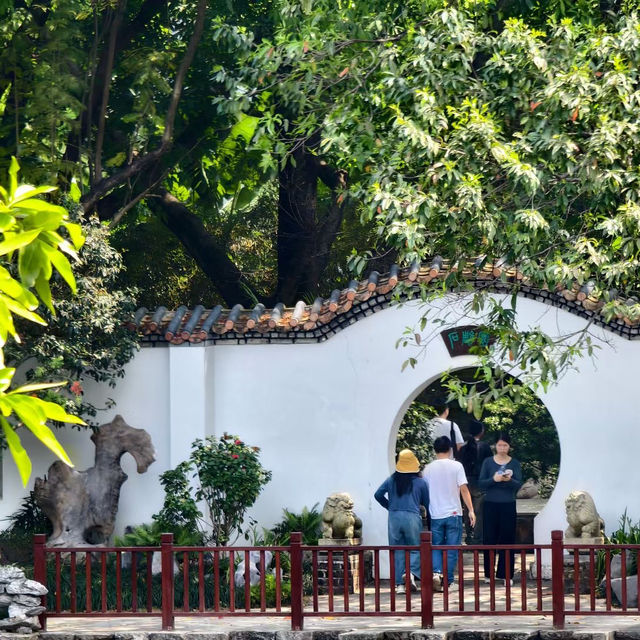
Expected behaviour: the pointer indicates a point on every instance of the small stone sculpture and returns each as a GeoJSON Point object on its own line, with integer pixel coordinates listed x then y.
{"type": "Point", "coordinates": [82, 505]}
{"type": "Point", "coordinates": [19, 601]}
{"type": "Point", "coordinates": [528, 490]}
{"type": "Point", "coordinates": [584, 521]}
{"type": "Point", "coordinates": [338, 519]}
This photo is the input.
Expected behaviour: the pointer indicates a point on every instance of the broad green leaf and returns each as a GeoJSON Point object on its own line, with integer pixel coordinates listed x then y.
{"type": "Point", "coordinates": [6, 322]}
{"type": "Point", "coordinates": [75, 233]}
{"type": "Point", "coordinates": [32, 415]}
{"type": "Point", "coordinates": [28, 388]}
{"type": "Point", "coordinates": [54, 411]}
{"type": "Point", "coordinates": [17, 241]}
{"type": "Point", "coordinates": [6, 221]}
{"type": "Point", "coordinates": [61, 263]}
{"type": "Point", "coordinates": [74, 191]}
{"type": "Point", "coordinates": [47, 217]}
{"type": "Point", "coordinates": [20, 456]}
{"type": "Point", "coordinates": [25, 191]}
{"type": "Point", "coordinates": [11, 286]}
{"type": "Point", "coordinates": [14, 167]}
{"type": "Point", "coordinates": [17, 308]}
{"type": "Point", "coordinates": [44, 291]}
{"type": "Point", "coordinates": [6, 376]}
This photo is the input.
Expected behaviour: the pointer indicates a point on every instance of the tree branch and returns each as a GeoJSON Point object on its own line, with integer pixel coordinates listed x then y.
{"type": "Point", "coordinates": [106, 87]}
{"type": "Point", "coordinates": [103, 186]}
{"type": "Point", "coordinates": [210, 256]}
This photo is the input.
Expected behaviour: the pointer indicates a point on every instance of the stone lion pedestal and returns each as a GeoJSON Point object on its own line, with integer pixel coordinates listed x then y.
{"type": "Point", "coordinates": [339, 568]}
{"type": "Point", "coordinates": [585, 528]}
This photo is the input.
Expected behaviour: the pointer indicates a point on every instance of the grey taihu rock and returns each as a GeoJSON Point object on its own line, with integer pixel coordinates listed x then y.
{"type": "Point", "coordinates": [26, 601]}
{"type": "Point", "coordinates": [82, 505]}
{"type": "Point", "coordinates": [10, 573]}
{"type": "Point", "coordinates": [20, 611]}
{"type": "Point", "coordinates": [616, 565]}
{"type": "Point", "coordinates": [9, 624]}
{"type": "Point", "coordinates": [632, 591]}
{"type": "Point", "coordinates": [27, 587]}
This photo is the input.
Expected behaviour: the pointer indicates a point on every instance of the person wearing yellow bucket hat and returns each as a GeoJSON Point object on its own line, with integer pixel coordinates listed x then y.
{"type": "Point", "coordinates": [402, 494]}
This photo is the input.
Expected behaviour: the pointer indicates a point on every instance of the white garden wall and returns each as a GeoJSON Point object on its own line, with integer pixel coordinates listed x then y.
{"type": "Point", "coordinates": [326, 415]}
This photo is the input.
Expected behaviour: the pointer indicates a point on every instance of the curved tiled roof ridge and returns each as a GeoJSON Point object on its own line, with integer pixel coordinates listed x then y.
{"type": "Point", "coordinates": [326, 316]}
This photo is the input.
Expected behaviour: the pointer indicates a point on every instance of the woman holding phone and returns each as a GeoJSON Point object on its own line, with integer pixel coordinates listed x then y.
{"type": "Point", "coordinates": [500, 477]}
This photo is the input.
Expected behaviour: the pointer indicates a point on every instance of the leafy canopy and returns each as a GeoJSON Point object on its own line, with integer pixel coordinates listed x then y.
{"type": "Point", "coordinates": [516, 144]}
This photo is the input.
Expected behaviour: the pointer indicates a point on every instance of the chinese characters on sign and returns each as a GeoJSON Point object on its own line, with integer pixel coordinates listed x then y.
{"type": "Point", "coordinates": [459, 340]}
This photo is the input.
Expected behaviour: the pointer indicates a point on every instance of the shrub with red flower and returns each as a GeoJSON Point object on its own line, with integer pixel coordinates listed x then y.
{"type": "Point", "coordinates": [228, 479]}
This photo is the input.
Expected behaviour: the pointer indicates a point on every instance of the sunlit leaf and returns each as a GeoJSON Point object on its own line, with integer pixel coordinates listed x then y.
{"type": "Point", "coordinates": [18, 452]}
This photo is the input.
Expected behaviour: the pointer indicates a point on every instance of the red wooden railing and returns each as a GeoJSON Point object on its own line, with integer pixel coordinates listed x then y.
{"type": "Point", "coordinates": [310, 581]}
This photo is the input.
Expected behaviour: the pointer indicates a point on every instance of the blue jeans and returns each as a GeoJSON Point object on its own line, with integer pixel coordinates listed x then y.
{"type": "Point", "coordinates": [404, 529]}
{"type": "Point", "coordinates": [446, 531]}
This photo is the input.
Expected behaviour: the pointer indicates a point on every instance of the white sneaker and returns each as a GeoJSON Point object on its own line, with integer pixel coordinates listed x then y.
{"type": "Point", "coordinates": [487, 580]}
{"type": "Point", "coordinates": [414, 586]}
{"type": "Point", "coordinates": [400, 589]}
{"type": "Point", "coordinates": [437, 582]}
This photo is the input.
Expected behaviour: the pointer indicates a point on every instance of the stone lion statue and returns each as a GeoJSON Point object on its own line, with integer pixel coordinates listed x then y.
{"type": "Point", "coordinates": [583, 519]}
{"type": "Point", "coordinates": [338, 519]}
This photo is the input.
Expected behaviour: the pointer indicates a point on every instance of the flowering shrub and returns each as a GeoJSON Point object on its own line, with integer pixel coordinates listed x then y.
{"type": "Point", "coordinates": [228, 480]}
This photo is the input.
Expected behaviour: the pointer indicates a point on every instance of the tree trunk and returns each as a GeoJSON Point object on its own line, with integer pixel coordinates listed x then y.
{"type": "Point", "coordinates": [304, 241]}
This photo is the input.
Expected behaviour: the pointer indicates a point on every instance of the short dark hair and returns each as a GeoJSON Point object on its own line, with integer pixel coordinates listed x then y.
{"type": "Point", "coordinates": [442, 444]}
{"type": "Point", "coordinates": [440, 404]}
{"type": "Point", "coordinates": [476, 428]}
{"type": "Point", "coordinates": [504, 436]}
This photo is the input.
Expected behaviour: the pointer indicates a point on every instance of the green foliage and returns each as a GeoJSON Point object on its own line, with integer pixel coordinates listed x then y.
{"type": "Point", "coordinates": [414, 433]}
{"type": "Point", "coordinates": [308, 522]}
{"type": "Point", "coordinates": [16, 541]}
{"type": "Point", "coordinates": [179, 511]}
{"type": "Point", "coordinates": [31, 242]}
{"type": "Point", "coordinates": [88, 336]}
{"type": "Point", "coordinates": [149, 535]}
{"type": "Point", "coordinates": [270, 592]}
{"type": "Point", "coordinates": [628, 532]}
{"type": "Point", "coordinates": [228, 480]}
{"type": "Point", "coordinates": [467, 136]}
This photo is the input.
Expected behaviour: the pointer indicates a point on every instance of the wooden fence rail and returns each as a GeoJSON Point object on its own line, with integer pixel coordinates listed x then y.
{"type": "Point", "coordinates": [311, 581]}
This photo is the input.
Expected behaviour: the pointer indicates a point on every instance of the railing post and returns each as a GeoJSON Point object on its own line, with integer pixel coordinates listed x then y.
{"type": "Point", "coordinates": [40, 571]}
{"type": "Point", "coordinates": [166, 554]}
{"type": "Point", "coordinates": [557, 579]}
{"type": "Point", "coordinates": [296, 581]}
{"type": "Point", "coordinates": [426, 581]}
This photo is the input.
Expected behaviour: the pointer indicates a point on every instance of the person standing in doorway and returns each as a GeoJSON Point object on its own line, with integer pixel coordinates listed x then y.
{"type": "Point", "coordinates": [472, 455]}
{"type": "Point", "coordinates": [402, 494]}
{"type": "Point", "coordinates": [442, 426]}
{"type": "Point", "coordinates": [500, 477]}
{"type": "Point", "coordinates": [446, 480]}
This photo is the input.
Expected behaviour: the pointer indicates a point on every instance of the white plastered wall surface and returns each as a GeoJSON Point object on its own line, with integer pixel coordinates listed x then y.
{"type": "Point", "coordinates": [325, 416]}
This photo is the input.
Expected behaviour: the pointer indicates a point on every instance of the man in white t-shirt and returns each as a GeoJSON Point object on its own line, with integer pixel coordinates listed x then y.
{"type": "Point", "coordinates": [442, 426]}
{"type": "Point", "coordinates": [446, 480]}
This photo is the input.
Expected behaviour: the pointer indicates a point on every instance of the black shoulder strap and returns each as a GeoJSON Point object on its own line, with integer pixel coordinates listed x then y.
{"type": "Point", "coordinates": [454, 444]}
